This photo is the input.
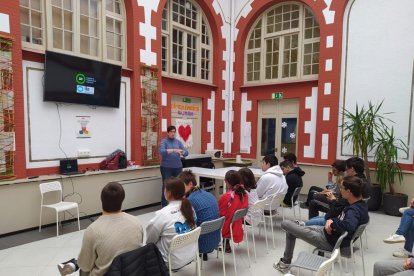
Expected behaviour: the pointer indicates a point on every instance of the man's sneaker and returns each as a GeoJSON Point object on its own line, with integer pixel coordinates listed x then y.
{"type": "Point", "coordinates": [66, 268]}
{"type": "Point", "coordinates": [300, 223]}
{"type": "Point", "coordinates": [402, 209]}
{"type": "Point", "coordinates": [395, 238]}
{"type": "Point", "coordinates": [402, 253]}
{"type": "Point", "coordinates": [281, 266]}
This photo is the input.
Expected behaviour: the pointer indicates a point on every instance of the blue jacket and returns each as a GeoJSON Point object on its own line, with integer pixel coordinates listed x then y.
{"type": "Point", "coordinates": [206, 208]}
{"type": "Point", "coordinates": [351, 217]}
{"type": "Point", "coordinates": [171, 160]}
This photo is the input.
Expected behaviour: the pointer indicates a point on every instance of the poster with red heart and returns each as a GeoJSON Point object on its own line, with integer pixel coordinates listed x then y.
{"type": "Point", "coordinates": [184, 131]}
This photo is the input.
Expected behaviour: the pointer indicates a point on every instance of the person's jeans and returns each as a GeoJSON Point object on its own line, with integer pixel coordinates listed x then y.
{"type": "Point", "coordinates": [409, 238]}
{"type": "Point", "coordinates": [320, 220]}
{"type": "Point", "coordinates": [405, 222]}
{"type": "Point", "coordinates": [316, 205]}
{"type": "Point", "coordinates": [311, 234]}
{"type": "Point", "coordinates": [165, 174]}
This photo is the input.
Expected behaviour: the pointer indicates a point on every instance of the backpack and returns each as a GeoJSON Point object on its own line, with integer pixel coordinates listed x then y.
{"type": "Point", "coordinates": [114, 161]}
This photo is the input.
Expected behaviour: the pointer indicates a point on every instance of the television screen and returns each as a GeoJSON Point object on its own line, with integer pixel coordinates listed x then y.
{"type": "Point", "coordinates": [78, 80]}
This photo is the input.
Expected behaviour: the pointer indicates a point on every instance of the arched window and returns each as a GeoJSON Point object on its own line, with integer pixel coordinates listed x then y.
{"type": "Point", "coordinates": [283, 45]}
{"type": "Point", "coordinates": [88, 28]}
{"type": "Point", "coordinates": [186, 41]}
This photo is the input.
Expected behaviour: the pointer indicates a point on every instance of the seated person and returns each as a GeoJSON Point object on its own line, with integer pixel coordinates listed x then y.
{"type": "Point", "coordinates": [394, 267]}
{"type": "Point", "coordinates": [272, 181]}
{"type": "Point", "coordinates": [293, 177]}
{"type": "Point", "coordinates": [113, 233]}
{"type": "Point", "coordinates": [234, 199]}
{"type": "Point", "coordinates": [176, 218]}
{"type": "Point", "coordinates": [338, 170]}
{"type": "Point", "coordinates": [325, 237]}
{"type": "Point", "coordinates": [334, 203]}
{"type": "Point", "coordinates": [404, 233]}
{"type": "Point", "coordinates": [206, 209]}
{"type": "Point", "coordinates": [247, 178]}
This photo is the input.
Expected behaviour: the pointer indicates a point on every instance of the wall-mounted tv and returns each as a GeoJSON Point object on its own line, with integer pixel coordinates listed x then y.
{"type": "Point", "coordinates": [79, 80]}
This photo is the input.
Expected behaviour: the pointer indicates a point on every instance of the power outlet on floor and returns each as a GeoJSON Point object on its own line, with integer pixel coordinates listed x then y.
{"type": "Point", "coordinates": [84, 153]}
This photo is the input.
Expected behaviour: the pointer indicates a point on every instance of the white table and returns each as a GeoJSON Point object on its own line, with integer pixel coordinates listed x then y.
{"type": "Point", "coordinates": [218, 174]}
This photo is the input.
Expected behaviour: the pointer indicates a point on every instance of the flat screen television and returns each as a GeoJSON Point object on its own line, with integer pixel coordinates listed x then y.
{"type": "Point", "coordinates": [78, 80]}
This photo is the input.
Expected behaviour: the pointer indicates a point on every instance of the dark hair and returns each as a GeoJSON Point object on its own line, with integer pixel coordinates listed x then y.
{"type": "Point", "coordinates": [354, 184]}
{"type": "Point", "coordinates": [286, 164]}
{"type": "Point", "coordinates": [176, 187]}
{"type": "Point", "coordinates": [339, 165]}
{"type": "Point", "coordinates": [356, 163]}
{"type": "Point", "coordinates": [112, 196]}
{"type": "Point", "coordinates": [187, 177]}
{"type": "Point", "coordinates": [233, 179]}
{"type": "Point", "coordinates": [170, 128]}
{"type": "Point", "coordinates": [247, 179]}
{"type": "Point", "coordinates": [290, 157]}
{"type": "Point", "coordinates": [271, 159]}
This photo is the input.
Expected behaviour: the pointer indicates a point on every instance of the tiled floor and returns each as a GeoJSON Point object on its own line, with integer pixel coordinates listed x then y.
{"type": "Point", "coordinates": [41, 257]}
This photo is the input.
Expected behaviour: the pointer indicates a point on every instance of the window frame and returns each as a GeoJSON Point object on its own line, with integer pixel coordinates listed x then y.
{"type": "Point", "coordinates": [168, 33]}
{"type": "Point", "coordinates": [300, 31]}
{"type": "Point", "coordinates": [103, 14]}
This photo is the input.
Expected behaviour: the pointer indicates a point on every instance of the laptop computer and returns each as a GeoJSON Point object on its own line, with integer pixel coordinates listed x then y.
{"type": "Point", "coordinates": [69, 167]}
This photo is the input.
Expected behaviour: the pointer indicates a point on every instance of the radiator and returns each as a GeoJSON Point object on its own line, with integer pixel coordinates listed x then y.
{"type": "Point", "coordinates": [141, 191]}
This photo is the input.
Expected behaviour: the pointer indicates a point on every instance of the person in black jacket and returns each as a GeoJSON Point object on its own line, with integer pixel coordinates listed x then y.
{"type": "Point", "coordinates": [325, 237]}
{"type": "Point", "coordinates": [293, 177]}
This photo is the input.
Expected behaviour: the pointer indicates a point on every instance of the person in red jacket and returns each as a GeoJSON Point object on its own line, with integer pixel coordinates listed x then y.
{"type": "Point", "coordinates": [234, 199]}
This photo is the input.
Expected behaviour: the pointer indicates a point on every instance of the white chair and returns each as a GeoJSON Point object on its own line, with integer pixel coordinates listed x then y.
{"type": "Point", "coordinates": [210, 227]}
{"type": "Point", "coordinates": [238, 215]}
{"type": "Point", "coordinates": [293, 203]}
{"type": "Point", "coordinates": [182, 240]}
{"type": "Point", "coordinates": [315, 263]}
{"type": "Point", "coordinates": [60, 206]}
{"type": "Point", "coordinates": [275, 201]}
{"type": "Point", "coordinates": [357, 236]}
{"type": "Point", "coordinates": [259, 206]}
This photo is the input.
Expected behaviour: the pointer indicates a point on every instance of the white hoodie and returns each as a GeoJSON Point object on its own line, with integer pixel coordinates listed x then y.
{"type": "Point", "coordinates": [273, 181]}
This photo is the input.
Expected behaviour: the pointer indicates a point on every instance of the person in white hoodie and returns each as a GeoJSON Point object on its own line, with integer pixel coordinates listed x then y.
{"type": "Point", "coordinates": [272, 181]}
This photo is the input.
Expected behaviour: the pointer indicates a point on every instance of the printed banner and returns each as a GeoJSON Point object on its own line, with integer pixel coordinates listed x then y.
{"type": "Point", "coordinates": [184, 131]}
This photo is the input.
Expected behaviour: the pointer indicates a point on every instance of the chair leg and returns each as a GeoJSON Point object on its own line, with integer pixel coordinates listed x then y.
{"type": "Point", "coordinates": [77, 208]}
{"type": "Point", "coordinates": [40, 221]}
{"type": "Point", "coordinates": [57, 223]}
{"type": "Point", "coordinates": [230, 241]}
{"type": "Point", "coordinates": [267, 244]}
{"type": "Point", "coordinates": [362, 256]}
{"type": "Point", "coordinates": [198, 267]}
{"type": "Point", "coordinates": [273, 233]}
{"type": "Point", "coordinates": [247, 248]}
{"type": "Point", "coordinates": [222, 252]}
{"type": "Point", "coordinates": [254, 243]}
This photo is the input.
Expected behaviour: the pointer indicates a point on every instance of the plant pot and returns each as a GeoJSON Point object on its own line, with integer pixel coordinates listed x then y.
{"type": "Point", "coordinates": [393, 202]}
{"type": "Point", "coordinates": [374, 203]}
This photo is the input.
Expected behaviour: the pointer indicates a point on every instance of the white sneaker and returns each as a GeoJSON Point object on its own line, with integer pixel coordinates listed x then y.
{"type": "Point", "coordinates": [395, 238]}
{"type": "Point", "coordinates": [66, 269]}
{"type": "Point", "coordinates": [402, 253]}
{"type": "Point", "coordinates": [402, 209]}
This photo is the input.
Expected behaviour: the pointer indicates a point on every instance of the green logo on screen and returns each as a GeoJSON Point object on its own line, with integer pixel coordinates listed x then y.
{"type": "Point", "coordinates": [80, 78]}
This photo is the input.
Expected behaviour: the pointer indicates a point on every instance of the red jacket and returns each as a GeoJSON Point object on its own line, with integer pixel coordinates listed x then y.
{"type": "Point", "coordinates": [228, 204]}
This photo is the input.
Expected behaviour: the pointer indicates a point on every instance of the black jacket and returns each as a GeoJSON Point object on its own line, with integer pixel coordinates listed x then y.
{"type": "Point", "coordinates": [293, 180]}
{"type": "Point", "coordinates": [144, 261]}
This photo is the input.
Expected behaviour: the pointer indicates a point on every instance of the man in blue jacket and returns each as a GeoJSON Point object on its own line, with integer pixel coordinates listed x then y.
{"type": "Point", "coordinates": [325, 237]}
{"type": "Point", "coordinates": [171, 150]}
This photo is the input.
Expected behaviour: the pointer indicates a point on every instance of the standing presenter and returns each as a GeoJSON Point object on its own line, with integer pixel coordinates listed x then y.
{"type": "Point", "coordinates": [171, 150]}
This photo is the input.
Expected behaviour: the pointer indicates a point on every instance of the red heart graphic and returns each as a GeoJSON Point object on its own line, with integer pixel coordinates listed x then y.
{"type": "Point", "coordinates": [184, 132]}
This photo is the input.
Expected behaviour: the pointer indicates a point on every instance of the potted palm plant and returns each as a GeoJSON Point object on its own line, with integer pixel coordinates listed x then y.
{"type": "Point", "coordinates": [360, 128]}
{"type": "Point", "coordinates": [389, 170]}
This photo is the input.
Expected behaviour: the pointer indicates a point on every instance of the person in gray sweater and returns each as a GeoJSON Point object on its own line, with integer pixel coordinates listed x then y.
{"type": "Point", "coordinates": [113, 233]}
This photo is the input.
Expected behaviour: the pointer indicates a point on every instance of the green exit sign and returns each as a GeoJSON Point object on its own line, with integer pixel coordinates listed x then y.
{"type": "Point", "coordinates": [277, 96]}
{"type": "Point", "coordinates": [186, 100]}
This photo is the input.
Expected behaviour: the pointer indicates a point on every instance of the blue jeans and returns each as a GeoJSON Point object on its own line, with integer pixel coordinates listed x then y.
{"type": "Point", "coordinates": [320, 220]}
{"type": "Point", "coordinates": [165, 174]}
{"type": "Point", "coordinates": [409, 238]}
{"type": "Point", "coordinates": [406, 221]}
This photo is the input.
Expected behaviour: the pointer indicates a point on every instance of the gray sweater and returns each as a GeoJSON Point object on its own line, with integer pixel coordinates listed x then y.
{"type": "Point", "coordinates": [106, 238]}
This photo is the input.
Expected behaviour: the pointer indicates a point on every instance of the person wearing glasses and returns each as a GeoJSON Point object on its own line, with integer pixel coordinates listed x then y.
{"type": "Point", "coordinates": [171, 150]}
